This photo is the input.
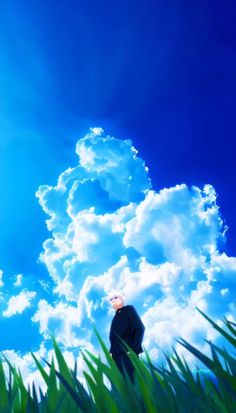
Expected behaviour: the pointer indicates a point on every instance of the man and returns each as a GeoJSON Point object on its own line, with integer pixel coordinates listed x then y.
{"type": "Point", "coordinates": [127, 325]}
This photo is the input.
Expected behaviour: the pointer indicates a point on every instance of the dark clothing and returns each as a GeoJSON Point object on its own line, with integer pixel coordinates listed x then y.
{"type": "Point", "coordinates": [128, 325]}
{"type": "Point", "coordinates": [124, 362]}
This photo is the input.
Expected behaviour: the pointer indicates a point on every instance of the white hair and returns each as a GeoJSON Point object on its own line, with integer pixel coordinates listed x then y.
{"type": "Point", "coordinates": [113, 293]}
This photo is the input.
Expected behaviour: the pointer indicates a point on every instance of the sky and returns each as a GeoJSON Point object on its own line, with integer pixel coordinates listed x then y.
{"type": "Point", "coordinates": [117, 158]}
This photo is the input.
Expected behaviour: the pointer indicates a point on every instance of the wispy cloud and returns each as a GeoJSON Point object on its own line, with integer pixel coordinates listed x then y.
{"type": "Point", "coordinates": [18, 281]}
{"type": "Point", "coordinates": [18, 303]}
{"type": "Point", "coordinates": [1, 280]}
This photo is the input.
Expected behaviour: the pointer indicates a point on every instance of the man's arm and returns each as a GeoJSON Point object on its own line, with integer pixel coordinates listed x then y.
{"type": "Point", "coordinates": [138, 328]}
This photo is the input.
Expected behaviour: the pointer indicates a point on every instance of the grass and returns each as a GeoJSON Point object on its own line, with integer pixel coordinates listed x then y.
{"type": "Point", "coordinates": [155, 390]}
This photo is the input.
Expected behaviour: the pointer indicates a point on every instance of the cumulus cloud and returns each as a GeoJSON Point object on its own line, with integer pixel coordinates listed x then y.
{"type": "Point", "coordinates": [18, 303]}
{"type": "Point", "coordinates": [61, 318]}
{"type": "Point", "coordinates": [178, 224]}
{"type": "Point", "coordinates": [110, 231]}
{"type": "Point", "coordinates": [161, 250]}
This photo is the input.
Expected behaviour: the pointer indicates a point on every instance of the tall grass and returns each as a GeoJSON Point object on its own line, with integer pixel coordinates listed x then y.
{"type": "Point", "coordinates": [155, 389]}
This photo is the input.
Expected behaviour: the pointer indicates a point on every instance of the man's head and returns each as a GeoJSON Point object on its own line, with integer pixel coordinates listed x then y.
{"type": "Point", "coordinates": [116, 299]}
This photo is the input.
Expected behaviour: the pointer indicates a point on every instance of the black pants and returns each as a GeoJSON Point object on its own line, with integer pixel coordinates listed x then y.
{"type": "Point", "coordinates": [123, 362]}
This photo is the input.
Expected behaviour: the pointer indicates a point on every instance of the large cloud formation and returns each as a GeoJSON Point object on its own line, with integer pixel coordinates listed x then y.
{"type": "Point", "coordinates": [110, 229]}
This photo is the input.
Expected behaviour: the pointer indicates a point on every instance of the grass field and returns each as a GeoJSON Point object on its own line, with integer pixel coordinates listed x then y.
{"type": "Point", "coordinates": [155, 389]}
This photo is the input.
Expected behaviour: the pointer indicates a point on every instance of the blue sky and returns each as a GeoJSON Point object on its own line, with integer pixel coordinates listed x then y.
{"type": "Point", "coordinates": [159, 74]}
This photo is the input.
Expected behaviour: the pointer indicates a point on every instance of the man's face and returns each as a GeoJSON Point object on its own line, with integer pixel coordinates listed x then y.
{"type": "Point", "coordinates": [116, 302]}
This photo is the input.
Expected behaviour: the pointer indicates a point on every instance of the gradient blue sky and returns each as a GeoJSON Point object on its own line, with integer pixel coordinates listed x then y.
{"type": "Point", "coordinates": [159, 73]}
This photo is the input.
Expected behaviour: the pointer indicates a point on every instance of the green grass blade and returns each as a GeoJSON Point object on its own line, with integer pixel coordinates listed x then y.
{"type": "Point", "coordinates": [41, 369]}
{"type": "Point", "coordinates": [64, 370]}
{"type": "Point", "coordinates": [73, 394]}
{"type": "Point", "coordinates": [218, 328]}
{"type": "Point", "coordinates": [226, 356]}
{"type": "Point", "coordinates": [3, 389]}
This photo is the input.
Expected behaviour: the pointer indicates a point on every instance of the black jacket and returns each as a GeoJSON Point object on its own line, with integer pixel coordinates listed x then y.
{"type": "Point", "coordinates": [128, 325]}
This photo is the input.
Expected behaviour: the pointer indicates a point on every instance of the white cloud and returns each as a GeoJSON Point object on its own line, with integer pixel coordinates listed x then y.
{"type": "Point", "coordinates": [115, 164]}
{"type": "Point", "coordinates": [26, 365]}
{"type": "Point", "coordinates": [18, 303]}
{"type": "Point", "coordinates": [18, 281]}
{"type": "Point", "coordinates": [60, 320]}
{"type": "Point", "coordinates": [30, 372]}
{"type": "Point", "coordinates": [177, 224]}
{"type": "Point", "coordinates": [110, 230]}
{"type": "Point", "coordinates": [1, 281]}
